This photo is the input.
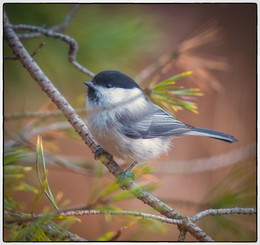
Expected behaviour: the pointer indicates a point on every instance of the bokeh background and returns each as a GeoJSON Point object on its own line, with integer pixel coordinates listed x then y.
{"type": "Point", "coordinates": [198, 173]}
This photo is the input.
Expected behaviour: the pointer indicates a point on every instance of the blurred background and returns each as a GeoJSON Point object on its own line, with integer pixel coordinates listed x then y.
{"type": "Point", "coordinates": [217, 42]}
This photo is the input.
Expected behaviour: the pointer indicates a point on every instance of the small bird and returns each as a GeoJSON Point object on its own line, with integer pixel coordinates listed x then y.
{"type": "Point", "coordinates": [126, 124]}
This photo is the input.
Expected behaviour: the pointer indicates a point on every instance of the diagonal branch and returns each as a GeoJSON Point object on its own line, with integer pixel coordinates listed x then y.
{"type": "Point", "coordinates": [63, 234]}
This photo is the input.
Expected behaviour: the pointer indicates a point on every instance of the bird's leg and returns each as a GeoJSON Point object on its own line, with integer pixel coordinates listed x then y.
{"type": "Point", "coordinates": [132, 165]}
{"type": "Point", "coordinates": [126, 176]}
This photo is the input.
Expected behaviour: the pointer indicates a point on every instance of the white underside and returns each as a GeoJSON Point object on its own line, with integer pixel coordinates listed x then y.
{"type": "Point", "coordinates": [103, 126]}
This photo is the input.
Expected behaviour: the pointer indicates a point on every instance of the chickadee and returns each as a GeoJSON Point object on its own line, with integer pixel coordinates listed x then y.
{"type": "Point", "coordinates": [126, 124]}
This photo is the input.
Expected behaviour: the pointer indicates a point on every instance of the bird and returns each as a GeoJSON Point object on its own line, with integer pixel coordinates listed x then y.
{"type": "Point", "coordinates": [128, 125]}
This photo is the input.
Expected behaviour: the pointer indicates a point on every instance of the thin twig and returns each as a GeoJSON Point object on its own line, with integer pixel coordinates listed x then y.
{"type": "Point", "coordinates": [57, 28]}
{"type": "Point", "coordinates": [160, 62]}
{"type": "Point", "coordinates": [34, 114]}
{"type": "Point", "coordinates": [119, 232]}
{"type": "Point", "coordinates": [38, 48]}
{"type": "Point", "coordinates": [208, 163]}
{"type": "Point", "coordinates": [23, 136]}
{"type": "Point", "coordinates": [10, 57]}
{"type": "Point", "coordinates": [33, 54]}
{"type": "Point", "coordinates": [67, 19]}
{"type": "Point", "coordinates": [72, 163]}
{"type": "Point", "coordinates": [182, 235]}
{"type": "Point", "coordinates": [73, 45]}
{"type": "Point", "coordinates": [16, 218]}
{"type": "Point", "coordinates": [222, 211]}
{"type": "Point", "coordinates": [122, 212]}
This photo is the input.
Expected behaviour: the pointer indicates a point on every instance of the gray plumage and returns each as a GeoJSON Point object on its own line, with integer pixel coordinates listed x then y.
{"type": "Point", "coordinates": [156, 123]}
{"type": "Point", "coordinates": [128, 125]}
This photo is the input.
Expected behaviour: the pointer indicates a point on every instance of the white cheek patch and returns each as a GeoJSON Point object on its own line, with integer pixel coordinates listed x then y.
{"type": "Point", "coordinates": [120, 96]}
{"type": "Point", "coordinates": [118, 99]}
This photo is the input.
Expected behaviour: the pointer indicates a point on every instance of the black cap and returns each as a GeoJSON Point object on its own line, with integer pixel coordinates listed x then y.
{"type": "Point", "coordinates": [114, 79]}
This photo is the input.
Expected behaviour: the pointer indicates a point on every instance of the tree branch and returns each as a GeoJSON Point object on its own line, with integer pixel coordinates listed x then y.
{"type": "Point", "coordinates": [222, 211]}
{"type": "Point", "coordinates": [122, 212]}
{"type": "Point", "coordinates": [73, 45]}
{"type": "Point", "coordinates": [184, 225]}
{"type": "Point", "coordinates": [56, 28]}
{"type": "Point", "coordinates": [195, 231]}
{"type": "Point", "coordinates": [182, 235]}
{"type": "Point", "coordinates": [15, 218]}
{"type": "Point", "coordinates": [65, 235]}
{"type": "Point", "coordinates": [67, 19]}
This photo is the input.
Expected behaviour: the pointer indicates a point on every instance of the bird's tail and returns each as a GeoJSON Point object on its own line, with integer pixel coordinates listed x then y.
{"type": "Point", "coordinates": [212, 134]}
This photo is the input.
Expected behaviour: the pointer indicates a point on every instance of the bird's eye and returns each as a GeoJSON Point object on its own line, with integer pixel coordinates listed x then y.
{"type": "Point", "coordinates": [109, 85]}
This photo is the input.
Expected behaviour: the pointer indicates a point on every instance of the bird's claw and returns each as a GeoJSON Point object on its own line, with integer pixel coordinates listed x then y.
{"type": "Point", "coordinates": [125, 178]}
{"type": "Point", "coordinates": [99, 152]}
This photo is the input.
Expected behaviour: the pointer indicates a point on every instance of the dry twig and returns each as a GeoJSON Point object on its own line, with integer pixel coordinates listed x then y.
{"type": "Point", "coordinates": [209, 163]}
{"type": "Point", "coordinates": [38, 114]}
{"type": "Point", "coordinates": [33, 54]}
{"type": "Point", "coordinates": [57, 28]}
{"type": "Point", "coordinates": [73, 45]}
{"type": "Point", "coordinates": [222, 211]}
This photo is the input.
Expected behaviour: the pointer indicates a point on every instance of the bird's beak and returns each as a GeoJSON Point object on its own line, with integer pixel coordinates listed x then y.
{"type": "Point", "coordinates": [89, 84]}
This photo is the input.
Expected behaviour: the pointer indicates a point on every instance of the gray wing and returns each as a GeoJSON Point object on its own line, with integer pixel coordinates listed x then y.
{"type": "Point", "coordinates": [153, 123]}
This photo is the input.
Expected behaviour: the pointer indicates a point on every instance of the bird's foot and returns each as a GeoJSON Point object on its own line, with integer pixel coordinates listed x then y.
{"type": "Point", "coordinates": [126, 176]}
{"type": "Point", "coordinates": [99, 152]}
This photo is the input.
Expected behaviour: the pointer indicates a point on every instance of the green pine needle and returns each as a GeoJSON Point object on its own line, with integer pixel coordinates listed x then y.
{"type": "Point", "coordinates": [45, 188]}
{"type": "Point", "coordinates": [174, 98]}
